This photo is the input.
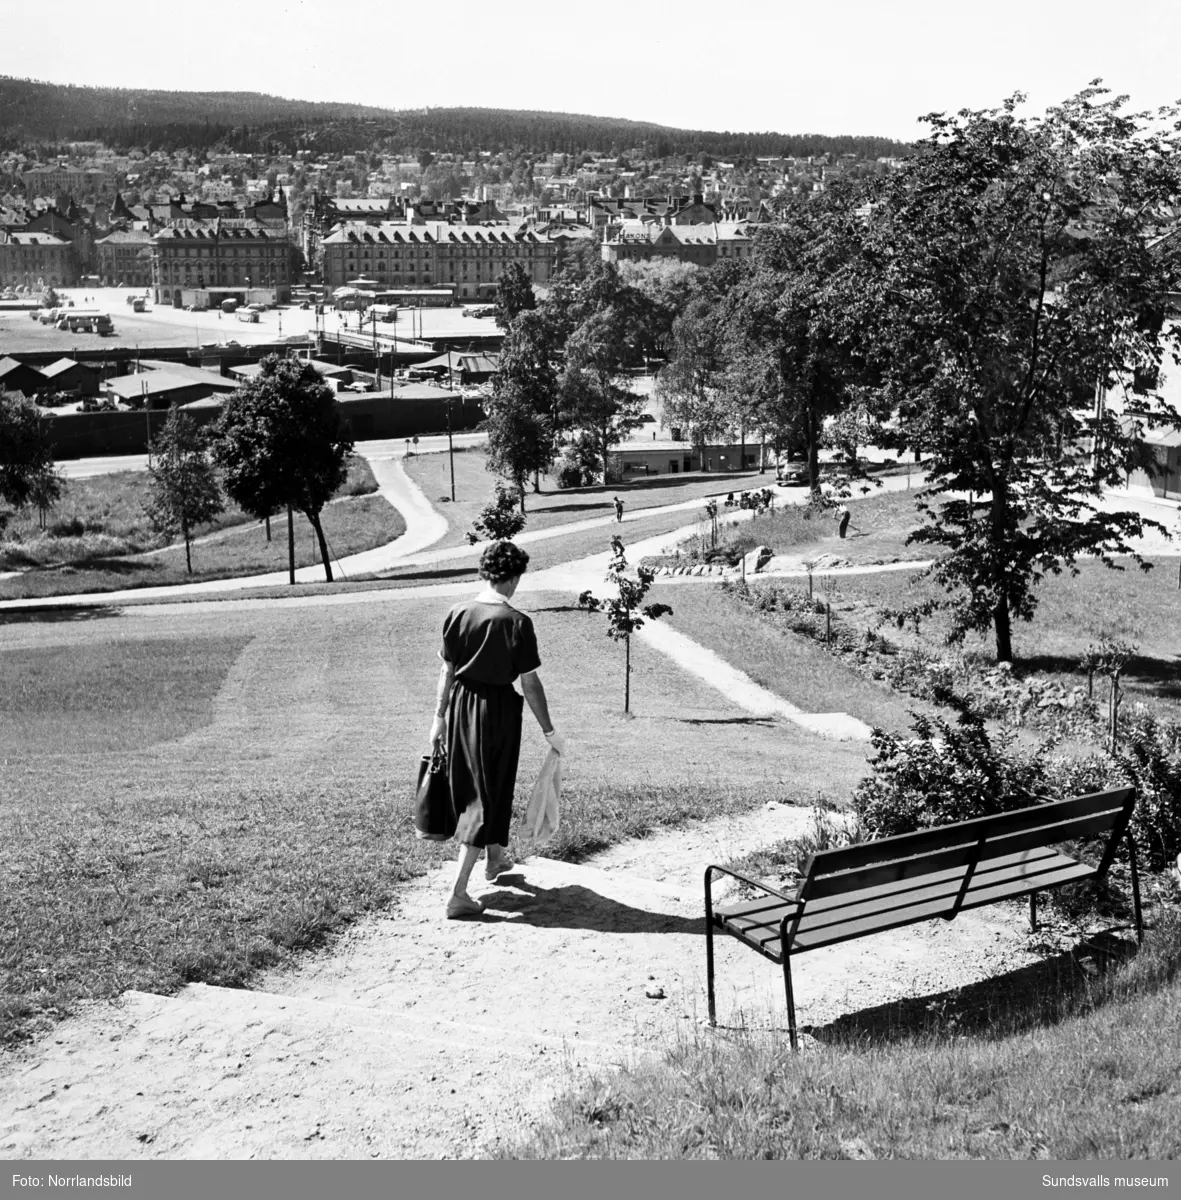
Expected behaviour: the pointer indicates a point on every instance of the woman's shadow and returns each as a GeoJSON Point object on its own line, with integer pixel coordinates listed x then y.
{"type": "Point", "coordinates": [573, 906]}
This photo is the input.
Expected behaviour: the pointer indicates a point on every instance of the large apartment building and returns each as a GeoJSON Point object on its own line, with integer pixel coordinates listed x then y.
{"type": "Point", "coordinates": [225, 255]}
{"type": "Point", "coordinates": [36, 260]}
{"type": "Point", "coordinates": [124, 257]}
{"type": "Point", "coordinates": [467, 258]}
{"type": "Point", "coordinates": [700, 244]}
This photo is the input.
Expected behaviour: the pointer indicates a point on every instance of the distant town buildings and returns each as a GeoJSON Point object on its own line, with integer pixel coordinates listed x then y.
{"type": "Point", "coordinates": [468, 259]}
{"type": "Point", "coordinates": [124, 258]}
{"type": "Point", "coordinates": [36, 259]}
{"type": "Point", "coordinates": [223, 257]}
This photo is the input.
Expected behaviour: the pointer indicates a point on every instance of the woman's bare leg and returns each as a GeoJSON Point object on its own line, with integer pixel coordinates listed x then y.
{"type": "Point", "coordinates": [467, 860]}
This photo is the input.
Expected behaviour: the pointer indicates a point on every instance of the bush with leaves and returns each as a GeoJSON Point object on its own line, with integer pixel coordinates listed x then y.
{"type": "Point", "coordinates": [943, 773]}
{"type": "Point", "coordinates": [499, 521]}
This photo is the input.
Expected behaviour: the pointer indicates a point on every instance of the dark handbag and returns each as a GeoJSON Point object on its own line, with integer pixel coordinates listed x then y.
{"type": "Point", "coordinates": [435, 819]}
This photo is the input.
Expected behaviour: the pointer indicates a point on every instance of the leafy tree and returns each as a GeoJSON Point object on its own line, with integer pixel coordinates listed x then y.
{"type": "Point", "coordinates": [282, 440]}
{"type": "Point", "coordinates": [26, 458]}
{"type": "Point", "coordinates": [666, 285]}
{"type": "Point", "coordinates": [623, 610]}
{"type": "Point", "coordinates": [514, 294]}
{"type": "Point", "coordinates": [1020, 272]}
{"type": "Point", "coordinates": [592, 396]}
{"type": "Point", "coordinates": [499, 521]}
{"type": "Point", "coordinates": [183, 491]}
{"type": "Point", "coordinates": [521, 419]}
{"type": "Point", "coordinates": [797, 318]}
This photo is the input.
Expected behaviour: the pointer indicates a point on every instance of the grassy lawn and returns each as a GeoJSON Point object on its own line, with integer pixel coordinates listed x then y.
{"type": "Point", "coordinates": [349, 526]}
{"type": "Point", "coordinates": [1073, 613]}
{"type": "Point", "coordinates": [1046, 1063]}
{"type": "Point", "coordinates": [474, 488]}
{"type": "Point", "coordinates": [103, 517]}
{"type": "Point", "coordinates": [192, 796]}
{"type": "Point", "coordinates": [796, 668]}
{"type": "Point", "coordinates": [878, 528]}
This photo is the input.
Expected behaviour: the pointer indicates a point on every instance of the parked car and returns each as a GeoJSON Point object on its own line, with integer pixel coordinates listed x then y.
{"type": "Point", "coordinates": [249, 316]}
{"type": "Point", "coordinates": [792, 475]}
{"type": "Point", "coordinates": [196, 308]}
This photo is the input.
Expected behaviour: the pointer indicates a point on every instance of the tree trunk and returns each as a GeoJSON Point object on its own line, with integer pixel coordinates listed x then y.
{"type": "Point", "coordinates": [536, 482]}
{"type": "Point", "coordinates": [1004, 631]}
{"type": "Point", "coordinates": [184, 528]}
{"type": "Point", "coordinates": [315, 520]}
{"type": "Point", "coordinates": [627, 673]}
{"type": "Point", "coordinates": [521, 491]}
{"type": "Point", "coordinates": [290, 545]}
{"type": "Point", "coordinates": [812, 445]}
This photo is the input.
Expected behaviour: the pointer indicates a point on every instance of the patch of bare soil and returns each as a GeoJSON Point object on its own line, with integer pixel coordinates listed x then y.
{"type": "Point", "coordinates": [418, 1037]}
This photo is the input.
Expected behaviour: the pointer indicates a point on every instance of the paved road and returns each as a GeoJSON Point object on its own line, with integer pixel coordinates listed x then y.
{"type": "Point", "coordinates": [87, 468]}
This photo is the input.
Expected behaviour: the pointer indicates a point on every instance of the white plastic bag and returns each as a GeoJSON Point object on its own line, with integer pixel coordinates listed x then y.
{"type": "Point", "coordinates": [541, 817]}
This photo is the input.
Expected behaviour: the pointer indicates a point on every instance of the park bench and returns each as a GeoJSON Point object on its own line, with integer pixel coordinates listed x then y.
{"type": "Point", "coordinates": [895, 881]}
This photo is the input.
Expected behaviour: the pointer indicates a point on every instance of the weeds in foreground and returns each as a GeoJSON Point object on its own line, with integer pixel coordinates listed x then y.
{"type": "Point", "coordinates": [1060, 1068]}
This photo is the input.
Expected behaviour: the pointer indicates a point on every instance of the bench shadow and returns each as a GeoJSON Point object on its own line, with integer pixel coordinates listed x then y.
{"type": "Point", "coordinates": [575, 907]}
{"type": "Point", "coordinates": [57, 615]}
{"type": "Point", "coordinates": [428, 573]}
{"type": "Point", "coordinates": [1029, 997]}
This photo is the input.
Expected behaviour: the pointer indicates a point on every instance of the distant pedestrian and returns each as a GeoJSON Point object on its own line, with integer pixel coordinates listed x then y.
{"type": "Point", "coordinates": [618, 510]}
{"type": "Point", "coordinates": [843, 518]}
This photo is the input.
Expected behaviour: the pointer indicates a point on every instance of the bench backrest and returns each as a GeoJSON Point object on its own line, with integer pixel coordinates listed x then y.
{"type": "Point", "coordinates": [945, 847]}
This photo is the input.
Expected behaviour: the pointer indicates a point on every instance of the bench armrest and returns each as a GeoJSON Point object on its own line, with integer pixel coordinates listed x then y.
{"type": "Point", "coordinates": [762, 887]}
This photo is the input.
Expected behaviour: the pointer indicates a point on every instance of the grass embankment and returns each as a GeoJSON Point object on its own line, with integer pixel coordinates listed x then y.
{"type": "Point", "coordinates": [1048, 1063]}
{"type": "Point", "coordinates": [193, 799]}
{"type": "Point", "coordinates": [1072, 614]}
{"type": "Point", "coordinates": [799, 669]}
{"type": "Point", "coordinates": [880, 523]}
{"type": "Point", "coordinates": [475, 486]}
{"type": "Point", "coordinates": [92, 558]}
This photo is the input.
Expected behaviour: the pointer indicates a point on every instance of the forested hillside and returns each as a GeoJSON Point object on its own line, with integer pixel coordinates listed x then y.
{"type": "Point", "coordinates": [121, 117]}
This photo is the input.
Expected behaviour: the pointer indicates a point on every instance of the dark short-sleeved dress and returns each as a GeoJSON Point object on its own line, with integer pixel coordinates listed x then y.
{"type": "Point", "coordinates": [490, 644]}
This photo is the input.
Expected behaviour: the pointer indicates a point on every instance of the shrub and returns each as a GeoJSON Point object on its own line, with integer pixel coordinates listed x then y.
{"type": "Point", "coordinates": [1149, 755]}
{"type": "Point", "coordinates": [943, 773]}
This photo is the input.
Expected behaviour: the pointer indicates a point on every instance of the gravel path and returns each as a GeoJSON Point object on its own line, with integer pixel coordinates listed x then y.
{"type": "Point", "coordinates": [417, 1037]}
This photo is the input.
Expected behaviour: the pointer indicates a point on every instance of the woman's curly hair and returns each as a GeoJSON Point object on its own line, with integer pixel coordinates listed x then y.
{"type": "Point", "coordinates": [501, 561]}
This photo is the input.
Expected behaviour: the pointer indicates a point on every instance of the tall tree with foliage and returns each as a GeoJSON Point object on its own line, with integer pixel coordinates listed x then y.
{"type": "Point", "coordinates": [795, 316]}
{"type": "Point", "coordinates": [514, 294]}
{"type": "Point", "coordinates": [183, 491]}
{"type": "Point", "coordinates": [593, 396]}
{"type": "Point", "coordinates": [521, 423]}
{"type": "Point", "coordinates": [27, 472]}
{"type": "Point", "coordinates": [1023, 269]}
{"type": "Point", "coordinates": [282, 440]}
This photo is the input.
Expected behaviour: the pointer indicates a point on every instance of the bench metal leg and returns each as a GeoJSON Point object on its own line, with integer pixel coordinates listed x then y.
{"type": "Point", "coordinates": [709, 946]}
{"type": "Point", "coordinates": [791, 1005]}
{"type": "Point", "coordinates": [1136, 910]}
{"type": "Point", "coordinates": [1033, 912]}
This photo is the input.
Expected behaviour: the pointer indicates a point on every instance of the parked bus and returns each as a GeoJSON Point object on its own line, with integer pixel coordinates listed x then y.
{"type": "Point", "coordinates": [386, 313]}
{"type": "Point", "coordinates": [85, 319]}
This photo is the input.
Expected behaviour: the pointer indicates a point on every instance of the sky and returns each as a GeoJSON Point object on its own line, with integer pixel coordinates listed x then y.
{"type": "Point", "coordinates": [835, 68]}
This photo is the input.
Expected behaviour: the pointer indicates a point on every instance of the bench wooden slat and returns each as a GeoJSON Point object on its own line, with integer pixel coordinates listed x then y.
{"type": "Point", "coordinates": [907, 845]}
{"type": "Point", "coordinates": [953, 858]}
{"type": "Point", "coordinates": [1031, 874]}
{"type": "Point", "coordinates": [1064, 831]}
{"type": "Point", "coordinates": [743, 908]}
{"type": "Point", "coordinates": [880, 922]}
{"type": "Point", "coordinates": [1016, 874]}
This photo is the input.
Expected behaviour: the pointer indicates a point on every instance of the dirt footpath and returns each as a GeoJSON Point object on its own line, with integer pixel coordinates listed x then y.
{"type": "Point", "coordinates": [417, 1037]}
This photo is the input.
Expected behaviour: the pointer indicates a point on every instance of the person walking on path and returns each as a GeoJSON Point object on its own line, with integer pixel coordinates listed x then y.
{"type": "Point", "coordinates": [487, 644]}
{"type": "Point", "coordinates": [843, 518]}
{"type": "Point", "coordinates": [618, 510]}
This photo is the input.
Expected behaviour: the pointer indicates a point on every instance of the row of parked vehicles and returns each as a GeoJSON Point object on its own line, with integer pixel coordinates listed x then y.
{"type": "Point", "coordinates": [75, 320]}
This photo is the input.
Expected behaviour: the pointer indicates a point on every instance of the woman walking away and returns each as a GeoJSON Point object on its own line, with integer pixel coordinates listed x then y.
{"type": "Point", "coordinates": [487, 644]}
